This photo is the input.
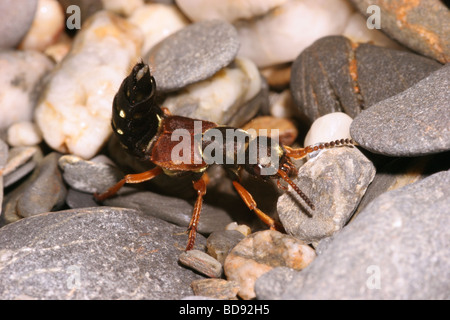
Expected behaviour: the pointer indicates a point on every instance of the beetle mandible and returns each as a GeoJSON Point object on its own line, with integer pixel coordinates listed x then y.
{"type": "Point", "coordinates": [145, 130]}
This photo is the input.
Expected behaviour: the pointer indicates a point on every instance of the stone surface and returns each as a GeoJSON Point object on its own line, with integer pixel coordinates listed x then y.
{"type": "Point", "coordinates": [420, 25]}
{"type": "Point", "coordinates": [14, 24]}
{"type": "Point", "coordinates": [46, 193]}
{"type": "Point", "coordinates": [261, 252]}
{"type": "Point", "coordinates": [412, 123]}
{"type": "Point", "coordinates": [276, 128]}
{"type": "Point", "coordinates": [21, 81]}
{"type": "Point", "coordinates": [17, 157]}
{"type": "Point", "coordinates": [201, 262]}
{"type": "Point", "coordinates": [271, 285]}
{"type": "Point", "coordinates": [3, 159]}
{"type": "Point", "coordinates": [76, 199]}
{"type": "Point", "coordinates": [215, 288]}
{"type": "Point", "coordinates": [330, 127]}
{"type": "Point", "coordinates": [273, 38]}
{"type": "Point", "coordinates": [122, 7]}
{"type": "Point", "coordinates": [74, 112]}
{"type": "Point", "coordinates": [394, 249]}
{"type": "Point", "coordinates": [96, 175]}
{"type": "Point", "coordinates": [193, 54]}
{"type": "Point", "coordinates": [99, 253]}
{"type": "Point", "coordinates": [354, 78]}
{"type": "Point", "coordinates": [221, 97]}
{"type": "Point", "coordinates": [157, 21]}
{"type": "Point", "coordinates": [334, 181]}
{"type": "Point", "coordinates": [219, 243]}
{"type": "Point", "coordinates": [23, 134]}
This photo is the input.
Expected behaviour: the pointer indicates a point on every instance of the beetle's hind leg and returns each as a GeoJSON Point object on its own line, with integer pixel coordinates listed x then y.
{"type": "Point", "coordinates": [251, 204]}
{"type": "Point", "coordinates": [131, 178]}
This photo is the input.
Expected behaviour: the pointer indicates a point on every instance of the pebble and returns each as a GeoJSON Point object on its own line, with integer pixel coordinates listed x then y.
{"type": "Point", "coordinates": [373, 74]}
{"type": "Point", "coordinates": [335, 181]}
{"type": "Point", "coordinates": [96, 175]}
{"type": "Point", "coordinates": [271, 285]}
{"type": "Point", "coordinates": [3, 159]}
{"type": "Point", "coordinates": [23, 134]}
{"type": "Point", "coordinates": [278, 76]}
{"type": "Point", "coordinates": [157, 21]}
{"type": "Point", "coordinates": [49, 22]}
{"type": "Point", "coordinates": [242, 228]}
{"type": "Point", "coordinates": [285, 130]}
{"type": "Point", "coordinates": [200, 10]}
{"type": "Point", "coordinates": [171, 209]}
{"type": "Point", "coordinates": [330, 127]}
{"type": "Point", "coordinates": [201, 262]}
{"type": "Point", "coordinates": [216, 288]}
{"type": "Point", "coordinates": [74, 113]}
{"type": "Point", "coordinates": [17, 157]}
{"type": "Point", "coordinates": [274, 38]}
{"type": "Point", "coordinates": [282, 104]}
{"type": "Point", "coordinates": [46, 193]}
{"type": "Point", "coordinates": [412, 123]}
{"type": "Point", "coordinates": [418, 25]}
{"type": "Point", "coordinates": [219, 243]}
{"type": "Point", "coordinates": [14, 24]}
{"type": "Point", "coordinates": [21, 79]}
{"type": "Point", "coordinates": [94, 254]}
{"type": "Point", "coordinates": [220, 98]}
{"type": "Point", "coordinates": [76, 199]}
{"type": "Point", "coordinates": [394, 249]}
{"type": "Point", "coordinates": [122, 7]}
{"type": "Point", "coordinates": [261, 252]}
{"type": "Point", "coordinates": [193, 54]}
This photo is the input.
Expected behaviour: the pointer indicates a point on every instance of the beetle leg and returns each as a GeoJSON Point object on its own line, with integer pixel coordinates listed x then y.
{"type": "Point", "coordinates": [299, 153]}
{"type": "Point", "coordinates": [251, 204]}
{"type": "Point", "coordinates": [130, 178]}
{"type": "Point", "coordinates": [200, 187]}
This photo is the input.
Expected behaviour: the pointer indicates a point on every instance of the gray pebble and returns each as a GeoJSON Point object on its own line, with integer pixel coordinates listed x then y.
{"type": "Point", "coordinates": [395, 249]}
{"type": "Point", "coordinates": [19, 173]}
{"type": "Point", "coordinates": [76, 199]}
{"type": "Point", "coordinates": [270, 286]}
{"type": "Point", "coordinates": [335, 182]}
{"type": "Point", "coordinates": [192, 54]}
{"type": "Point", "coordinates": [412, 123]}
{"type": "Point", "coordinates": [92, 176]}
{"type": "Point", "coordinates": [46, 193]}
{"type": "Point", "coordinates": [15, 23]}
{"type": "Point", "coordinates": [98, 253]}
{"type": "Point", "coordinates": [201, 262]}
{"type": "Point", "coordinates": [220, 243]}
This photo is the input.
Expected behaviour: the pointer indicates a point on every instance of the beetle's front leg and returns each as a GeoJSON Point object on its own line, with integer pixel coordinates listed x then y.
{"type": "Point", "coordinates": [200, 187]}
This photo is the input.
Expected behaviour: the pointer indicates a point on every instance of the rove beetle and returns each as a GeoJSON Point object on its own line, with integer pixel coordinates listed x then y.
{"type": "Point", "coordinates": [145, 130]}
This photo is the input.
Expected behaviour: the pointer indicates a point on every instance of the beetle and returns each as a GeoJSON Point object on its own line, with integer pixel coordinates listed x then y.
{"type": "Point", "coordinates": [146, 131]}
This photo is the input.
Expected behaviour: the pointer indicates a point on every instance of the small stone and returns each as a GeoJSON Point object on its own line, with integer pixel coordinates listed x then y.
{"type": "Point", "coordinates": [193, 54]}
{"type": "Point", "coordinates": [278, 77]}
{"type": "Point", "coordinates": [157, 21]}
{"type": "Point", "coordinates": [171, 209]}
{"type": "Point", "coordinates": [334, 181]}
{"type": "Point", "coordinates": [14, 24]}
{"type": "Point", "coordinates": [371, 74]}
{"type": "Point", "coordinates": [282, 105]}
{"type": "Point", "coordinates": [271, 285]}
{"type": "Point", "coordinates": [21, 82]}
{"type": "Point", "coordinates": [215, 288]}
{"type": "Point", "coordinates": [242, 228]}
{"type": "Point", "coordinates": [76, 199]}
{"type": "Point", "coordinates": [412, 123]}
{"type": "Point", "coordinates": [219, 243]}
{"type": "Point", "coordinates": [24, 134]}
{"type": "Point", "coordinates": [221, 97]}
{"type": "Point", "coordinates": [46, 193]}
{"type": "Point", "coordinates": [285, 130]}
{"type": "Point", "coordinates": [122, 7]}
{"type": "Point", "coordinates": [48, 24]}
{"type": "Point", "coordinates": [418, 25]}
{"type": "Point", "coordinates": [395, 249]}
{"type": "Point", "coordinates": [201, 262]}
{"type": "Point", "coordinates": [17, 157]}
{"type": "Point", "coordinates": [19, 173]}
{"type": "Point", "coordinates": [261, 252]}
{"type": "Point", "coordinates": [331, 127]}
{"type": "Point", "coordinates": [273, 38]}
{"type": "Point", "coordinates": [94, 254]}
{"type": "Point", "coordinates": [74, 113]}
{"type": "Point", "coordinates": [92, 176]}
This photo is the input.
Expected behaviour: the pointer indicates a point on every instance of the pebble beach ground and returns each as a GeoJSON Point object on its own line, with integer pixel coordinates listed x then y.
{"type": "Point", "coordinates": [313, 70]}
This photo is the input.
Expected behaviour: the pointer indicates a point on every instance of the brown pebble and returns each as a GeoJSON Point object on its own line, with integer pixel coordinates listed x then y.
{"type": "Point", "coordinates": [287, 131]}
{"type": "Point", "coordinates": [201, 262]}
{"type": "Point", "coordinates": [215, 288]}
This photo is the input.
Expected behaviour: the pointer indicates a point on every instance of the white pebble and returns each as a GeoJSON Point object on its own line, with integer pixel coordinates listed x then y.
{"type": "Point", "coordinates": [282, 34]}
{"type": "Point", "coordinates": [242, 228]}
{"type": "Point", "coordinates": [230, 10]}
{"type": "Point", "coordinates": [330, 127]}
{"type": "Point", "coordinates": [74, 113]}
{"type": "Point", "coordinates": [157, 21]}
{"type": "Point", "coordinates": [281, 104]}
{"type": "Point", "coordinates": [48, 24]}
{"type": "Point", "coordinates": [23, 134]}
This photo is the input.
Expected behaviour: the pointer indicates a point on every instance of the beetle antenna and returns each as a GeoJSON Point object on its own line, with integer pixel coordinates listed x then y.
{"type": "Point", "coordinates": [286, 178]}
